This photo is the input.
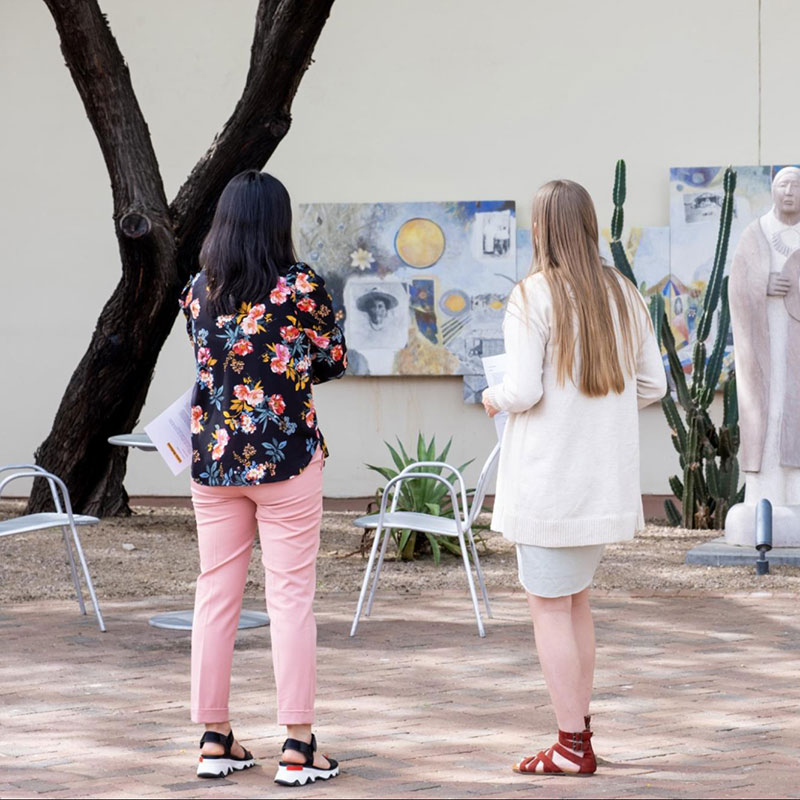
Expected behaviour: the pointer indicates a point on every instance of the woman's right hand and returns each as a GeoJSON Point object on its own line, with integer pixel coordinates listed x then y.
{"type": "Point", "coordinates": [490, 409]}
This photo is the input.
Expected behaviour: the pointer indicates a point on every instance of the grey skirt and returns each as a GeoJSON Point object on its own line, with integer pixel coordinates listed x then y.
{"type": "Point", "coordinates": [557, 571]}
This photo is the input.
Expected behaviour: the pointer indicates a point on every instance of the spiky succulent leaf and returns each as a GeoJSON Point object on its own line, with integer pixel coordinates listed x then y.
{"type": "Point", "coordinates": [676, 486]}
{"type": "Point", "coordinates": [673, 515]}
{"type": "Point", "coordinates": [435, 549]}
{"type": "Point", "coordinates": [674, 421]}
{"type": "Point", "coordinates": [399, 462]}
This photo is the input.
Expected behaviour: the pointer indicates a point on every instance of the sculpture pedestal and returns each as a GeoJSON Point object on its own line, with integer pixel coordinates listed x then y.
{"type": "Point", "coordinates": [740, 526]}
{"type": "Point", "coordinates": [717, 553]}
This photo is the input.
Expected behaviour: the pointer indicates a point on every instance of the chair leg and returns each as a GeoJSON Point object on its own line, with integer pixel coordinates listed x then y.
{"type": "Point", "coordinates": [479, 571]}
{"type": "Point", "coordinates": [88, 578]}
{"type": "Point", "coordinates": [386, 536]}
{"type": "Point", "coordinates": [471, 583]}
{"type": "Point", "coordinates": [73, 570]}
{"type": "Point", "coordinates": [365, 582]}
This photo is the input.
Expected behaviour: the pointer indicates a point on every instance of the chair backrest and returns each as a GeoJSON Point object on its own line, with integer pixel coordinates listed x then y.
{"type": "Point", "coordinates": [442, 467]}
{"type": "Point", "coordinates": [483, 484]}
{"type": "Point", "coordinates": [35, 471]}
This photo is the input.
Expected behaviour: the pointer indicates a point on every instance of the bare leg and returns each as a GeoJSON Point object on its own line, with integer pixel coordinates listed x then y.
{"type": "Point", "coordinates": [560, 657]}
{"type": "Point", "coordinates": [564, 634]}
{"type": "Point", "coordinates": [583, 628]}
{"type": "Point", "coordinates": [303, 734]}
{"type": "Point", "coordinates": [214, 749]}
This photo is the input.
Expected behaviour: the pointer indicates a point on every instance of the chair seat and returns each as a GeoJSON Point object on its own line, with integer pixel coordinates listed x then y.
{"type": "Point", "coordinates": [443, 526]}
{"type": "Point", "coordinates": [38, 522]}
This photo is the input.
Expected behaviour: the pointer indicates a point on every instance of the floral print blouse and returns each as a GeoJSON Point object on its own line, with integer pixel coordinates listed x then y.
{"type": "Point", "coordinates": [253, 417]}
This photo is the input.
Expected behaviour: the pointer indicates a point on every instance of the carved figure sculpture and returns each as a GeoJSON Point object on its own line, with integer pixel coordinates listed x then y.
{"type": "Point", "coordinates": [765, 315]}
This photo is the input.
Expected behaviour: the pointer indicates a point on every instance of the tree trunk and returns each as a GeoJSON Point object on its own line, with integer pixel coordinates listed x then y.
{"type": "Point", "coordinates": [159, 244]}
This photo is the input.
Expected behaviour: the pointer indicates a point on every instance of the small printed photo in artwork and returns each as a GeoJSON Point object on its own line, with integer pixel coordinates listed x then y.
{"type": "Point", "coordinates": [703, 206]}
{"type": "Point", "coordinates": [494, 228]}
{"type": "Point", "coordinates": [477, 345]}
{"type": "Point", "coordinates": [484, 346]}
{"type": "Point", "coordinates": [377, 314]}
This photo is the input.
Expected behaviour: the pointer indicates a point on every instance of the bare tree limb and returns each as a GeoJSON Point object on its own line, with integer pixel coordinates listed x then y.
{"type": "Point", "coordinates": [103, 81]}
{"type": "Point", "coordinates": [286, 32]}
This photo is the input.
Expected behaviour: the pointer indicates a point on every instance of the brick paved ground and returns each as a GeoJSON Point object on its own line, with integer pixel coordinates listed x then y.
{"type": "Point", "coordinates": [696, 697]}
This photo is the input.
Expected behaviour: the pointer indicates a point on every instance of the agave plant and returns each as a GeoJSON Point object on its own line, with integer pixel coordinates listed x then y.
{"type": "Point", "coordinates": [422, 495]}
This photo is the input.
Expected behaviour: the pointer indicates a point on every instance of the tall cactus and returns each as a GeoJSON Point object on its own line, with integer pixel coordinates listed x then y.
{"type": "Point", "coordinates": [617, 250]}
{"type": "Point", "coordinates": [707, 455]}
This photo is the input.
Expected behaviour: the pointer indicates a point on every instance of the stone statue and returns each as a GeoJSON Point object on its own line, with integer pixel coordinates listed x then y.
{"type": "Point", "coordinates": [764, 296]}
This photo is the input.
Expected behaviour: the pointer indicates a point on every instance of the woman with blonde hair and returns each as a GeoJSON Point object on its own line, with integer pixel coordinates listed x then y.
{"type": "Point", "coordinates": [582, 359]}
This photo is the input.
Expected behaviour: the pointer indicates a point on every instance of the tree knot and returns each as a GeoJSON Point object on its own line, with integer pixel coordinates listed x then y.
{"type": "Point", "coordinates": [135, 225]}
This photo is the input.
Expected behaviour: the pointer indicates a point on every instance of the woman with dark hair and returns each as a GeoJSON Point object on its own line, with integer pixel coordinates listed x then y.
{"type": "Point", "coordinates": [264, 331]}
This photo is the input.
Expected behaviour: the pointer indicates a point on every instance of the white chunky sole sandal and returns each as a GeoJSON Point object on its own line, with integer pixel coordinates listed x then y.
{"type": "Point", "coordinates": [289, 774]}
{"type": "Point", "coordinates": [225, 764]}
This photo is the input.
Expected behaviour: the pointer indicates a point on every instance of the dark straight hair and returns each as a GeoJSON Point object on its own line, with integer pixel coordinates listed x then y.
{"type": "Point", "coordinates": [250, 241]}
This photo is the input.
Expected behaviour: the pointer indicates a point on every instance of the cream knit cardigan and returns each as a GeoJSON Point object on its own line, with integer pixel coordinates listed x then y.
{"type": "Point", "coordinates": [569, 464]}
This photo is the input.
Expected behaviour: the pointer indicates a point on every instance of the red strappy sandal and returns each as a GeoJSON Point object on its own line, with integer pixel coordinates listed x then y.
{"type": "Point", "coordinates": [566, 744]}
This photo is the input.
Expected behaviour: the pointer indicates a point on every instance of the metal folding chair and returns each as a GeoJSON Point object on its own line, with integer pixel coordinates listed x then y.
{"type": "Point", "coordinates": [62, 518]}
{"type": "Point", "coordinates": [459, 527]}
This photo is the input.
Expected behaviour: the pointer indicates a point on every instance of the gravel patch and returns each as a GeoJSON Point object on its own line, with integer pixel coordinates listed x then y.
{"type": "Point", "coordinates": [154, 553]}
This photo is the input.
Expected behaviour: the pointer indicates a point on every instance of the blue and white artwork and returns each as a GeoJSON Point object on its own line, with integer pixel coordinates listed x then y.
{"type": "Point", "coordinates": [695, 203]}
{"type": "Point", "coordinates": [524, 253]}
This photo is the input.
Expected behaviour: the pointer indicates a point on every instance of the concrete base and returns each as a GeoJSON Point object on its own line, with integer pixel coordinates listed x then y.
{"type": "Point", "coordinates": [718, 553]}
{"type": "Point", "coordinates": [182, 620]}
{"type": "Point", "coordinates": [740, 526]}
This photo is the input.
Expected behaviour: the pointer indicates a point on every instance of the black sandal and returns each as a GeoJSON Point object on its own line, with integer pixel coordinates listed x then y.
{"type": "Point", "coordinates": [220, 766]}
{"type": "Point", "coordinates": [290, 774]}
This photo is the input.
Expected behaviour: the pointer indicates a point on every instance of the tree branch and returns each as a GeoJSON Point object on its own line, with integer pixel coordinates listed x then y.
{"type": "Point", "coordinates": [104, 84]}
{"type": "Point", "coordinates": [158, 244]}
{"type": "Point", "coordinates": [286, 32]}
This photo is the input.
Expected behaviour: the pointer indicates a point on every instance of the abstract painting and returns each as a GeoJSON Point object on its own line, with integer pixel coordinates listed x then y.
{"type": "Point", "coordinates": [421, 287]}
{"type": "Point", "coordinates": [524, 253]}
{"type": "Point", "coordinates": [695, 202]}
{"type": "Point", "coordinates": [474, 385]}
{"type": "Point", "coordinates": [648, 253]}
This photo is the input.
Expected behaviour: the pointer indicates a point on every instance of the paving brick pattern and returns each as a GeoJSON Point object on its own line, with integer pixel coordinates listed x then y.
{"type": "Point", "coordinates": [695, 697]}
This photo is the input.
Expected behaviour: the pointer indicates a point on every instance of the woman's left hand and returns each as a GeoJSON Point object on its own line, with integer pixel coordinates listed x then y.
{"type": "Point", "coordinates": [490, 409]}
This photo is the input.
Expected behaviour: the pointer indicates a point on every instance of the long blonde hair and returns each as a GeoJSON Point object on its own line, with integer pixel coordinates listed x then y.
{"type": "Point", "coordinates": [583, 288]}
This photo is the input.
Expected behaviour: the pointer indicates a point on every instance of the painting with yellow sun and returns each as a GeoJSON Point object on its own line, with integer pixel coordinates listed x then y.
{"type": "Point", "coordinates": [421, 287]}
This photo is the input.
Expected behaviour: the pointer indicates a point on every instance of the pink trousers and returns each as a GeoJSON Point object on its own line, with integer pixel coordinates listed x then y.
{"type": "Point", "coordinates": [288, 514]}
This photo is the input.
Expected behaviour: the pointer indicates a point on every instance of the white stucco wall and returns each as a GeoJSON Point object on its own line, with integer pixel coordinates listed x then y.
{"type": "Point", "coordinates": [406, 100]}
